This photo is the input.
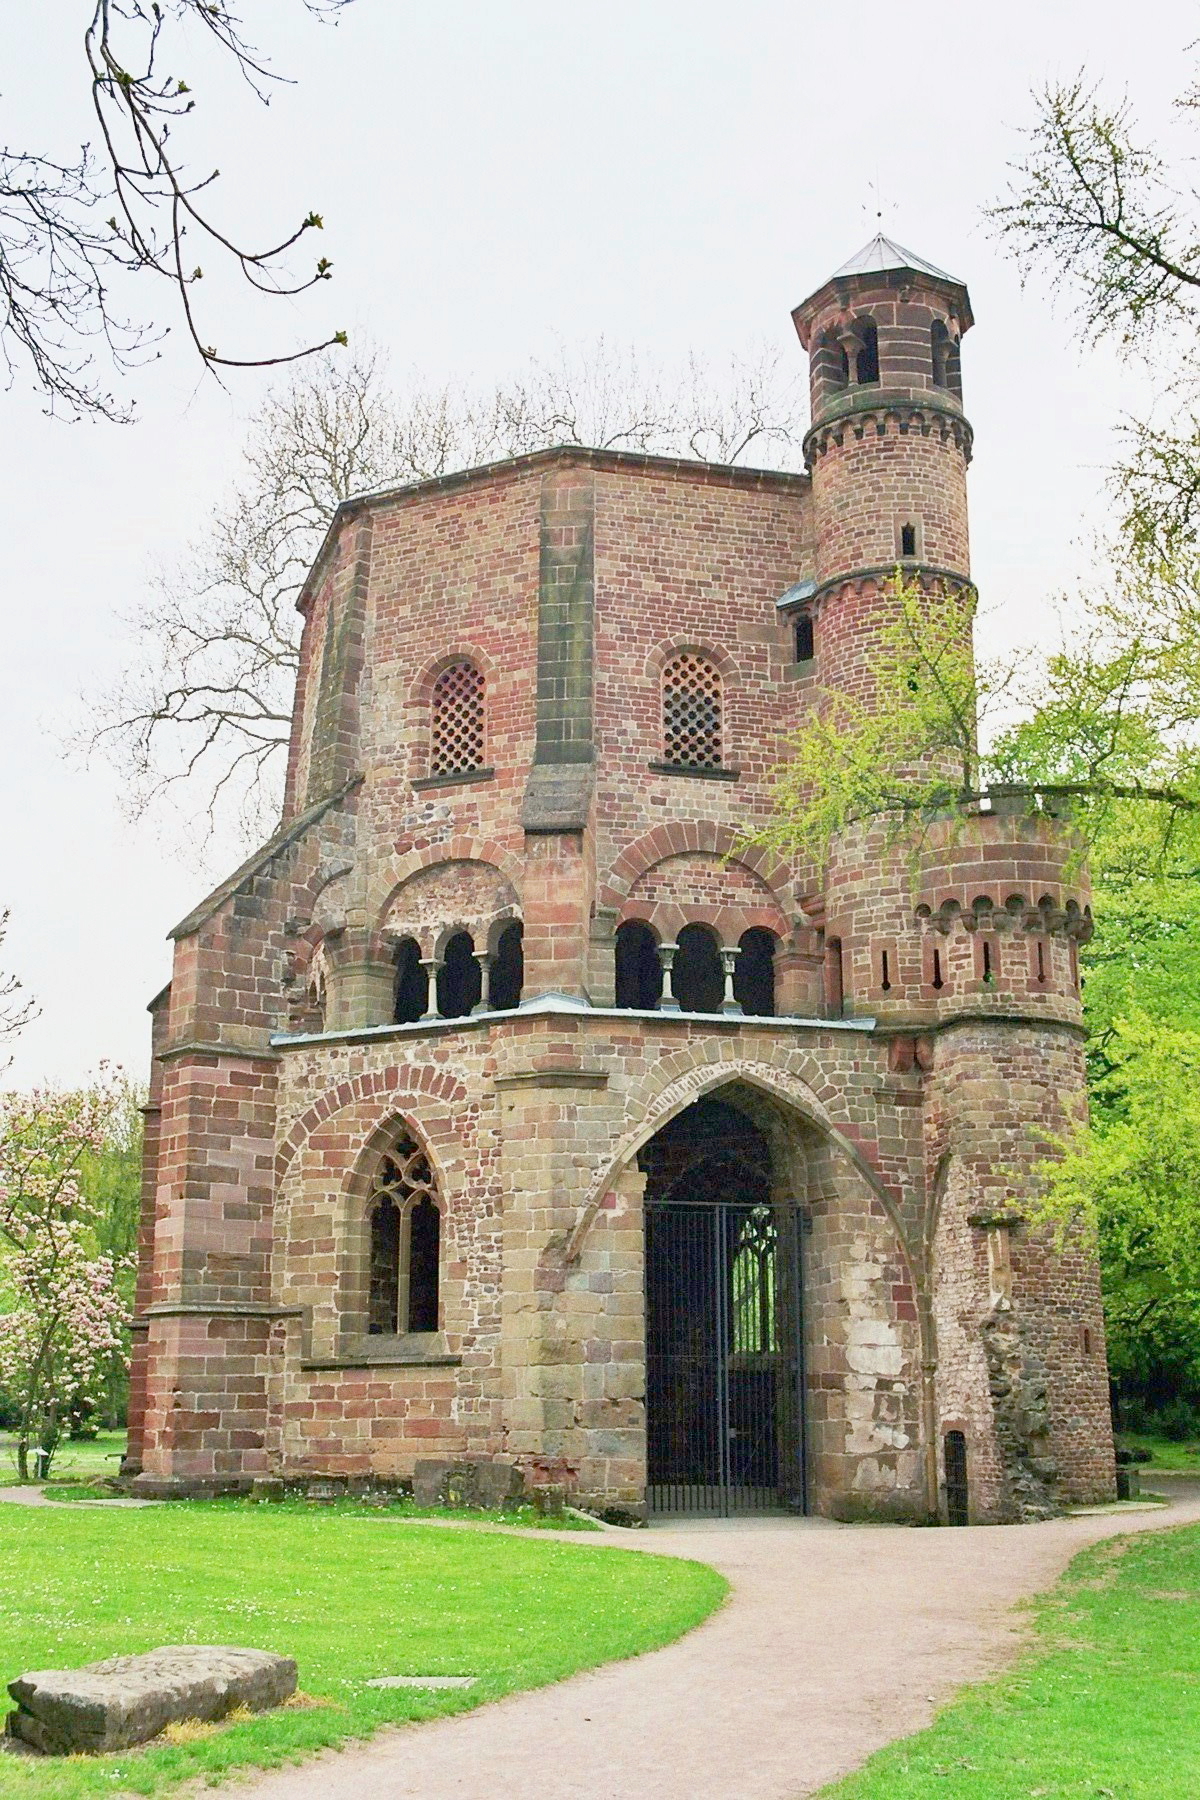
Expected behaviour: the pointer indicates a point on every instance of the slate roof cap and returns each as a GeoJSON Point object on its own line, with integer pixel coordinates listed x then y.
{"type": "Point", "coordinates": [884, 253]}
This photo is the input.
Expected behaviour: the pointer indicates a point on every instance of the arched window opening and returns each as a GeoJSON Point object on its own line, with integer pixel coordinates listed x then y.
{"type": "Point", "coordinates": [507, 973]}
{"type": "Point", "coordinates": [958, 1509]}
{"type": "Point", "coordinates": [692, 723]}
{"type": "Point", "coordinates": [405, 1248]}
{"type": "Point", "coordinates": [412, 984]}
{"type": "Point", "coordinates": [806, 638]}
{"type": "Point", "coordinates": [639, 976]}
{"type": "Point", "coordinates": [908, 540]}
{"type": "Point", "coordinates": [385, 1265]}
{"type": "Point", "coordinates": [424, 1258]}
{"type": "Point", "coordinates": [830, 368]}
{"type": "Point", "coordinates": [939, 340]}
{"type": "Point", "coordinates": [835, 985]}
{"type": "Point", "coordinates": [460, 979]}
{"type": "Point", "coordinates": [866, 359]}
{"type": "Point", "coordinates": [457, 738]}
{"type": "Point", "coordinates": [754, 973]}
{"type": "Point", "coordinates": [697, 977]}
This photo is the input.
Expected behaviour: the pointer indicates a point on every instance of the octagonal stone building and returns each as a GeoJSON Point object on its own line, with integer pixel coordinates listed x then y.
{"type": "Point", "coordinates": [512, 1107]}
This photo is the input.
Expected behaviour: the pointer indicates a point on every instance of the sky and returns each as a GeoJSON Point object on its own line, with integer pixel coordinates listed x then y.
{"type": "Point", "coordinates": [496, 180]}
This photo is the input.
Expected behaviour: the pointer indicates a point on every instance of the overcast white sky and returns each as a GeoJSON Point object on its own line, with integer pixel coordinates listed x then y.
{"type": "Point", "coordinates": [675, 174]}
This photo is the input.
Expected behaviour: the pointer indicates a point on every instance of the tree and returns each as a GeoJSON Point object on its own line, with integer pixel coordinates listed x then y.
{"type": "Point", "coordinates": [64, 1313]}
{"type": "Point", "coordinates": [1107, 728]}
{"type": "Point", "coordinates": [71, 227]}
{"type": "Point", "coordinates": [15, 1012]}
{"type": "Point", "coordinates": [208, 698]}
{"type": "Point", "coordinates": [1132, 1180]}
{"type": "Point", "coordinates": [1101, 213]}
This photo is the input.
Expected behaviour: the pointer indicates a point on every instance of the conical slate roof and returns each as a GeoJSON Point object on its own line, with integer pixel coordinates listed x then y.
{"type": "Point", "coordinates": [884, 253]}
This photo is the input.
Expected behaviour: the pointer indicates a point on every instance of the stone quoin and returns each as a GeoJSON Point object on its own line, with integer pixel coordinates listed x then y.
{"type": "Point", "coordinates": [511, 1107]}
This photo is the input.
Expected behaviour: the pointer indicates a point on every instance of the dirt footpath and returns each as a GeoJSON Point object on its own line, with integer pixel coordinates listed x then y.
{"type": "Point", "coordinates": [836, 1640]}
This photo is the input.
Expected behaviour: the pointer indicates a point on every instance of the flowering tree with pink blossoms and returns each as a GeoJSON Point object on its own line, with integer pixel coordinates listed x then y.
{"type": "Point", "coordinates": [61, 1313]}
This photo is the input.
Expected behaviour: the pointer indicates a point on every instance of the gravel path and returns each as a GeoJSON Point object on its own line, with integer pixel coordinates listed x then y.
{"type": "Point", "coordinates": [836, 1640]}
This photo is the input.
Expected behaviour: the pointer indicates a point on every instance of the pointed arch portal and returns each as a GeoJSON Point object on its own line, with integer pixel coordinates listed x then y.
{"type": "Point", "coordinates": [724, 1360]}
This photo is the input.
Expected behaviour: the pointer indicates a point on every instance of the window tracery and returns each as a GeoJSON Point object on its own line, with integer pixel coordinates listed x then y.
{"type": "Point", "coordinates": [457, 725]}
{"type": "Point", "coordinates": [692, 712]}
{"type": "Point", "coordinates": [405, 1245]}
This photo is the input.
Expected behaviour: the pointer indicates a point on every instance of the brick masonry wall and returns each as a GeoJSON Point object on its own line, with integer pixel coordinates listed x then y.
{"type": "Point", "coordinates": [254, 1330]}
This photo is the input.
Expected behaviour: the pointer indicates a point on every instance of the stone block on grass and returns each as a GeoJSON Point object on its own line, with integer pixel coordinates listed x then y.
{"type": "Point", "coordinates": [129, 1699]}
{"type": "Point", "coordinates": [487, 1482]}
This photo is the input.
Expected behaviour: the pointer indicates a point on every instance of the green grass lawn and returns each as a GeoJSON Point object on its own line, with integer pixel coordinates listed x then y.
{"type": "Point", "coordinates": [350, 1594]}
{"type": "Point", "coordinates": [1104, 1703]}
{"type": "Point", "coordinates": [100, 1455]}
{"type": "Point", "coordinates": [1164, 1452]}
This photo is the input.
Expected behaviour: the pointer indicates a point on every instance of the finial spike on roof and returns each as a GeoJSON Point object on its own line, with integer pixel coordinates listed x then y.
{"type": "Point", "coordinates": [884, 253]}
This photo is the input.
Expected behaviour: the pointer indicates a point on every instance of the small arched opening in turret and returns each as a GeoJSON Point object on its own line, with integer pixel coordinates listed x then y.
{"type": "Point", "coordinates": [639, 976]}
{"type": "Point", "coordinates": [460, 979]}
{"type": "Point", "coordinates": [947, 367]}
{"type": "Point", "coordinates": [866, 358]}
{"type": "Point", "coordinates": [412, 984]}
{"type": "Point", "coordinates": [908, 540]}
{"type": "Point", "coordinates": [754, 973]}
{"type": "Point", "coordinates": [697, 977]}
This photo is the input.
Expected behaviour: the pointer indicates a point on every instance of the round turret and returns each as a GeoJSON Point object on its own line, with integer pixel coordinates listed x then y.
{"type": "Point", "coordinates": [888, 446]}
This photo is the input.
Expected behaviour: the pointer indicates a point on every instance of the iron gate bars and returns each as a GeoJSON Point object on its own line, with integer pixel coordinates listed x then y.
{"type": "Point", "coordinates": [723, 1362]}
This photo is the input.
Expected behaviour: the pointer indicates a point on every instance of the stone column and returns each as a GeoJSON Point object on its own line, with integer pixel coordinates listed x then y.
{"type": "Point", "coordinates": [431, 966]}
{"type": "Point", "coordinates": [483, 1003]}
{"type": "Point", "coordinates": [666, 956]}
{"type": "Point", "coordinates": [729, 964]}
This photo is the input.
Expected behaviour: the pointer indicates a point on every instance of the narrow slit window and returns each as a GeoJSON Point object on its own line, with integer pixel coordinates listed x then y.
{"type": "Point", "coordinates": [458, 719]}
{"type": "Point", "coordinates": [908, 540]}
{"type": "Point", "coordinates": [939, 980]}
{"type": "Point", "coordinates": [692, 713]}
{"type": "Point", "coordinates": [988, 974]}
{"type": "Point", "coordinates": [835, 981]}
{"type": "Point", "coordinates": [805, 638]}
{"type": "Point", "coordinates": [885, 971]}
{"type": "Point", "coordinates": [1041, 963]}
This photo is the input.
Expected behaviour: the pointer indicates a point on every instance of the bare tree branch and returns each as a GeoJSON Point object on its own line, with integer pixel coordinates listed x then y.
{"type": "Point", "coordinates": [207, 699]}
{"type": "Point", "coordinates": [70, 227]}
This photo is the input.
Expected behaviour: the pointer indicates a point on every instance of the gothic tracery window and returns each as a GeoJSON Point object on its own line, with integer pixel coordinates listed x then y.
{"type": "Point", "coordinates": [405, 1245]}
{"type": "Point", "coordinates": [692, 712]}
{"type": "Point", "coordinates": [457, 734]}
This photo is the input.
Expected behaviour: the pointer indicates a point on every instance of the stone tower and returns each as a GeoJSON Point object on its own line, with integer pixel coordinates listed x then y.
{"type": "Point", "coordinates": [513, 1112]}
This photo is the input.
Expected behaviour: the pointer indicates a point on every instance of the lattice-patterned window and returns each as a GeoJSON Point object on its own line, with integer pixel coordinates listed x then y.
{"type": "Point", "coordinates": [692, 724]}
{"type": "Point", "coordinates": [458, 741]}
{"type": "Point", "coordinates": [405, 1245]}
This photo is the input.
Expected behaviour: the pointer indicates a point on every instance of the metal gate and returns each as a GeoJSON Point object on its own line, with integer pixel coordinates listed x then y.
{"type": "Point", "coordinates": [724, 1378]}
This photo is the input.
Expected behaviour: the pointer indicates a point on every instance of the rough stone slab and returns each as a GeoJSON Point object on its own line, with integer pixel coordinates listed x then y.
{"type": "Point", "coordinates": [423, 1681]}
{"type": "Point", "coordinates": [488, 1482]}
{"type": "Point", "coordinates": [128, 1699]}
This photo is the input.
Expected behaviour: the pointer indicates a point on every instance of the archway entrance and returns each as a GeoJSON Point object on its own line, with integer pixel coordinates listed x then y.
{"type": "Point", "coordinates": [724, 1374]}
